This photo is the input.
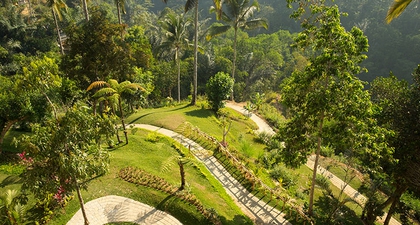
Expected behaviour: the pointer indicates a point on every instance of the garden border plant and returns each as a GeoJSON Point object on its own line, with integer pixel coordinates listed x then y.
{"type": "Point", "coordinates": [140, 177]}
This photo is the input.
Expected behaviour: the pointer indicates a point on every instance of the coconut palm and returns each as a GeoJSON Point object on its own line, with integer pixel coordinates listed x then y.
{"type": "Point", "coordinates": [56, 6]}
{"type": "Point", "coordinates": [120, 8]}
{"type": "Point", "coordinates": [176, 33]}
{"type": "Point", "coordinates": [190, 4]}
{"type": "Point", "coordinates": [113, 88]}
{"type": "Point", "coordinates": [396, 9]}
{"type": "Point", "coordinates": [236, 16]}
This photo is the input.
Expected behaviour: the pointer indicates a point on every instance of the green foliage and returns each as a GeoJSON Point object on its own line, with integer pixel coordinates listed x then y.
{"type": "Point", "coordinates": [97, 51]}
{"type": "Point", "coordinates": [218, 89]}
{"type": "Point", "coordinates": [281, 174]}
{"type": "Point", "coordinates": [153, 137]}
{"type": "Point", "coordinates": [65, 154]}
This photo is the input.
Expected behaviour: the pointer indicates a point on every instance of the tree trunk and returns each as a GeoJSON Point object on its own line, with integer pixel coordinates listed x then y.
{"type": "Point", "coordinates": [119, 11]}
{"type": "Point", "coordinates": [58, 31]}
{"type": "Point", "coordinates": [82, 205]}
{"type": "Point", "coordinates": [179, 73]}
{"type": "Point", "coordinates": [234, 60]}
{"type": "Point", "coordinates": [318, 151]}
{"type": "Point", "coordinates": [395, 199]}
{"type": "Point", "coordinates": [85, 10]}
{"type": "Point", "coordinates": [182, 173]}
{"type": "Point", "coordinates": [122, 120]}
{"type": "Point", "coordinates": [194, 94]}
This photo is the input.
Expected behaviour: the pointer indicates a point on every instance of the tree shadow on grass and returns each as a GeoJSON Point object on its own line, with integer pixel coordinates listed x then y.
{"type": "Point", "coordinates": [200, 113]}
{"type": "Point", "coordinates": [237, 219]}
{"type": "Point", "coordinates": [181, 211]}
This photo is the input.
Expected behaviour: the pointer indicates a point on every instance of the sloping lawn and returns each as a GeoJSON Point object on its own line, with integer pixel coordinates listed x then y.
{"type": "Point", "coordinates": [150, 156]}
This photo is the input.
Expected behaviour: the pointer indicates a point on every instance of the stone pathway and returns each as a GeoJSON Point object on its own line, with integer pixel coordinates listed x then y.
{"type": "Point", "coordinates": [120, 209]}
{"type": "Point", "coordinates": [259, 211]}
{"type": "Point", "coordinates": [351, 192]}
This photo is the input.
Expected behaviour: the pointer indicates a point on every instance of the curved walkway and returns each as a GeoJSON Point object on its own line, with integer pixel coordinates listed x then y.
{"type": "Point", "coordinates": [114, 208]}
{"type": "Point", "coordinates": [259, 211]}
{"type": "Point", "coordinates": [348, 190]}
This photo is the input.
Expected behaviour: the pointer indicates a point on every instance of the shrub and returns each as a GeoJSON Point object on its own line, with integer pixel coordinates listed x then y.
{"type": "Point", "coordinates": [280, 173]}
{"type": "Point", "coordinates": [218, 89]}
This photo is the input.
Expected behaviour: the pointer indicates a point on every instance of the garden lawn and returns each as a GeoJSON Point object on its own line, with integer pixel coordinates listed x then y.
{"type": "Point", "coordinates": [242, 139]}
{"type": "Point", "coordinates": [150, 156]}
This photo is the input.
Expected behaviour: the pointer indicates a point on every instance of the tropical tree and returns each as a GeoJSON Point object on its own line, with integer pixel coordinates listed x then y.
{"type": "Point", "coordinates": [75, 141]}
{"type": "Point", "coordinates": [17, 104]}
{"type": "Point", "coordinates": [176, 33]}
{"type": "Point", "coordinates": [190, 4]}
{"type": "Point", "coordinates": [326, 101]}
{"type": "Point", "coordinates": [399, 112]}
{"type": "Point", "coordinates": [120, 8]}
{"type": "Point", "coordinates": [397, 7]}
{"type": "Point", "coordinates": [56, 6]}
{"type": "Point", "coordinates": [113, 88]}
{"type": "Point", "coordinates": [237, 15]}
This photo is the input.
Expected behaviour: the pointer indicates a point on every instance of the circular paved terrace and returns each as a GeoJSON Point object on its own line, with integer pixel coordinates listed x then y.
{"type": "Point", "coordinates": [114, 208]}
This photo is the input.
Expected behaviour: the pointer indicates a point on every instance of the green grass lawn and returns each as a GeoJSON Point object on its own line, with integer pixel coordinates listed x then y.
{"type": "Point", "coordinates": [243, 141]}
{"type": "Point", "coordinates": [150, 157]}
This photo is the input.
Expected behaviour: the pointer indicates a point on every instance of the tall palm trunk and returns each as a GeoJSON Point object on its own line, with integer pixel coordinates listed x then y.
{"type": "Point", "coordinates": [58, 31]}
{"type": "Point", "coordinates": [119, 11]}
{"type": "Point", "coordinates": [234, 59]}
{"type": "Point", "coordinates": [85, 10]}
{"type": "Point", "coordinates": [194, 94]}
{"type": "Point", "coordinates": [122, 120]}
{"type": "Point", "coordinates": [179, 72]}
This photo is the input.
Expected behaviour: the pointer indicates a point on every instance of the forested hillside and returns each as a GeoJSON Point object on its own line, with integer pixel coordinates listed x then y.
{"type": "Point", "coordinates": [393, 47]}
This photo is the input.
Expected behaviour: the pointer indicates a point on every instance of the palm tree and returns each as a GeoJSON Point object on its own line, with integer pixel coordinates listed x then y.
{"type": "Point", "coordinates": [120, 8]}
{"type": "Point", "coordinates": [190, 4]}
{"type": "Point", "coordinates": [175, 27]}
{"type": "Point", "coordinates": [112, 87]}
{"type": "Point", "coordinates": [181, 160]}
{"type": "Point", "coordinates": [237, 15]}
{"type": "Point", "coordinates": [396, 9]}
{"type": "Point", "coordinates": [56, 6]}
{"type": "Point", "coordinates": [85, 9]}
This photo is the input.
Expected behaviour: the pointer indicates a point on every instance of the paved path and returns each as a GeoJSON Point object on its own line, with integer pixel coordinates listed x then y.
{"type": "Point", "coordinates": [348, 190]}
{"type": "Point", "coordinates": [259, 211]}
{"type": "Point", "coordinates": [120, 209]}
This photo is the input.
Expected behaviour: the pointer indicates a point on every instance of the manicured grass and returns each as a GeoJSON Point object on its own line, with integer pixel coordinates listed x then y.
{"type": "Point", "coordinates": [150, 156]}
{"type": "Point", "coordinates": [243, 141]}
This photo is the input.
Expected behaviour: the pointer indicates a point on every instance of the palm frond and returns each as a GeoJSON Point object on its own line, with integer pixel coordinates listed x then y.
{"type": "Point", "coordinates": [396, 9]}
{"type": "Point", "coordinates": [216, 30]}
{"type": "Point", "coordinates": [97, 84]}
{"type": "Point", "coordinates": [113, 83]}
{"type": "Point", "coordinates": [104, 92]}
{"type": "Point", "coordinates": [169, 163]}
{"type": "Point", "coordinates": [256, 23]}
{"type": "Point", "coordinates": [190, 4]}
